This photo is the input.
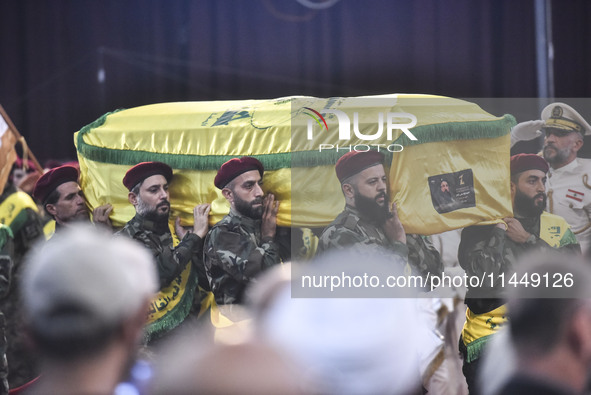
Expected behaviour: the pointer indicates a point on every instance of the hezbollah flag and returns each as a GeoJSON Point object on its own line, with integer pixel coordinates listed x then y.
{"type": "Point", "coordinates": [447, 159]}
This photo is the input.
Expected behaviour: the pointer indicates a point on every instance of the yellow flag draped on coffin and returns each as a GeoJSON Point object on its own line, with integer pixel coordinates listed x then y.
{"type": "Point", "coordinates": [299, 139]}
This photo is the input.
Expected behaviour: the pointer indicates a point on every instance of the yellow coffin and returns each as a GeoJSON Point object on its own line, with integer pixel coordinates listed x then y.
{"type": "Point", "coordinates": [299, 139]}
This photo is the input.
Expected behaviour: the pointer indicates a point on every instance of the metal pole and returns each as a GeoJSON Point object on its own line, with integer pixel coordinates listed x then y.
{"type": "Point", "coordinates": [544, 51]}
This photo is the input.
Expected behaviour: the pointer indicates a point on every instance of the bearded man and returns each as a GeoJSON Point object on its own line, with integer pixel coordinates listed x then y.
{"type": "Point", "coordinates": [492, 251]}
{"type": "Point", "coordinates": [147, 183]}
{"type": "Point", "coordinates": [370, 221]}
{"type": "Point", "coordinates": [242, 244]}
{"type": "Point", "coordinates": [568, 185]}
{"type": "Point", "coordinates": [443, 199]}
{"type": "Point", "coordinates": [368, 217]}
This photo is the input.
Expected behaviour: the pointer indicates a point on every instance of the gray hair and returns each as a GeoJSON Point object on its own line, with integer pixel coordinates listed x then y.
{"type": "Point", "coordinates": [80, 286]}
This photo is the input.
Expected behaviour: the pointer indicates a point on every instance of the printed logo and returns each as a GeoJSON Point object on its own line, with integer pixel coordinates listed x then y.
{"type": "Point", "coordinates": [554, 231]}
{"type": "Point", "coordinates": [317, 117]}
{"type": "Point", "coordinates": [392, 123]}
{"type": "Point", "coordinates": [557, 112]}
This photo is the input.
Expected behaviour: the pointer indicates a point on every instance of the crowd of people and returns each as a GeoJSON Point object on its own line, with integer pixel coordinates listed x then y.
{"type": "Point", "coordinates": [158, 307]}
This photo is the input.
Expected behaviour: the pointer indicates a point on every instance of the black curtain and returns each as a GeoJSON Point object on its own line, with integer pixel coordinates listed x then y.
{"type": "Point", "coordinates": [153, 51]}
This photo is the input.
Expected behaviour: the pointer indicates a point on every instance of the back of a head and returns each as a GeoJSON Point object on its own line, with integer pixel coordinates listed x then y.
{"type": "Point", "coordinates": [540, 311]}
{"type": "Point", "coordinates": [355, 342]}
{"type": "Point", "coordinates": [79, 287]}
{"type": "Point", "coordinates": [192, 364]}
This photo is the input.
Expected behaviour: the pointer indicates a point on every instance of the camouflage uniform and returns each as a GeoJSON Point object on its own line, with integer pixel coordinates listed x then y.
{"type": "Point", "coordinates": [235, 254]}
{"type": "Point", "coordinates": [27, 229]}
{"type": "Point", "coordinates": [170, 261]}
{"type": "Point", "coordinates": [486, 251]}
{"type": "Point", "coordinates": [6, 269]}
{"type": "Point", "coordinates": [350, 230]}
{"type": "Point", "coordinates": [423, 257]}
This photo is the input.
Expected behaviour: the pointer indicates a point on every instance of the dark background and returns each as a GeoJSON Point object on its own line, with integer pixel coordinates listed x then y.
{"type": "Point", "coordinates": [177, 50]}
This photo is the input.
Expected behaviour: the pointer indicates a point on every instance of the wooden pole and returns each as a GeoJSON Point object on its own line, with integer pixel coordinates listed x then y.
{"type": "Point", "coordinates": [20, 138]}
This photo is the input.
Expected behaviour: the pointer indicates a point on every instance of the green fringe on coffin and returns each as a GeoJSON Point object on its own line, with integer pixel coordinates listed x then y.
{"type": "Point", "coordinates": [98, 123]}
{"type": "Point", "coordinates": [174, 317]}
{"type": "Point", "coordinates": [425, 134]}
{"type": "Point", "coordinates": [458, 131]}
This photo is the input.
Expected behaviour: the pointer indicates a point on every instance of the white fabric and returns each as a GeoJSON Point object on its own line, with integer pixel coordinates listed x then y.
{"type": "Point", "coordinates": [498, 363]}
{"type": "Point", "coordinates": [525, 131]}
{"type": "Point", "coordinates": [568, 113]}
{"type": "Point", "coordinates": [351, 345]}
{"type": "Point", "coordinates": [88, 269]}
{"type": "Point", "coordinates": [449, 379]}
{"type": "Point", "coordinates": [566, 186]}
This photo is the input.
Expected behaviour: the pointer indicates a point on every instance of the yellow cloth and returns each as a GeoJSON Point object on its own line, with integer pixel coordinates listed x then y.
{"type": "Point", "coordinates": [481, 325]}
{"type": "Point", "coordinates": [13, 205]}
{"type": "Point", "coordinates": [196, 137]}
{"type": "Point", "coordinates": [168, 297]}
{"type": "Point", "coordinates": [172, 304]}
{"type": "Point", "coordinates": [49, 229]}
{"type": "Point", "coordinates": [555, 232]}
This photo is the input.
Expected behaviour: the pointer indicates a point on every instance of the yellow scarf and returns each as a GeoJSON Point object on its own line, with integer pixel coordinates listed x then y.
{"type": "Point", "coordinates": [173, 303]}
{"type": "Point", "coordinates": [555, 231]}
{"type": "Point", "coordinates": [12, 210]}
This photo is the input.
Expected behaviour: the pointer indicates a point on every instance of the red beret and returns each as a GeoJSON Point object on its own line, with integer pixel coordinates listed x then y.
{"type": "Point", "coordinates": [234, 167]}
{"type": "Point", "coordinates": [20, 163]}
{"type": "Point", "coordinates": [356, 161]}
{"type": "Point", "coordinates": [143, 170]}
{"type": "Point", "coordinates": [523, 162]}
{"type": "Point", "coordinates": [53, 179]}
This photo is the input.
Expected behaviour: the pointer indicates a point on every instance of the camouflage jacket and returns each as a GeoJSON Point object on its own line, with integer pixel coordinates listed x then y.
{"type": "Point", "coordinates": [171, 261]}
{"type": "Point", "coordinates": [350, 230]}
{"type": "Point", "coordinates": [486, 251]}
{"type": "Point", "coordinates": [423, 257]}
{"type": "Point", "coordinates": [26, 228]}
{"type": "Point", "coordinates": [235, 254]}
{"type": "Point", "coordinates": [6, 278]}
